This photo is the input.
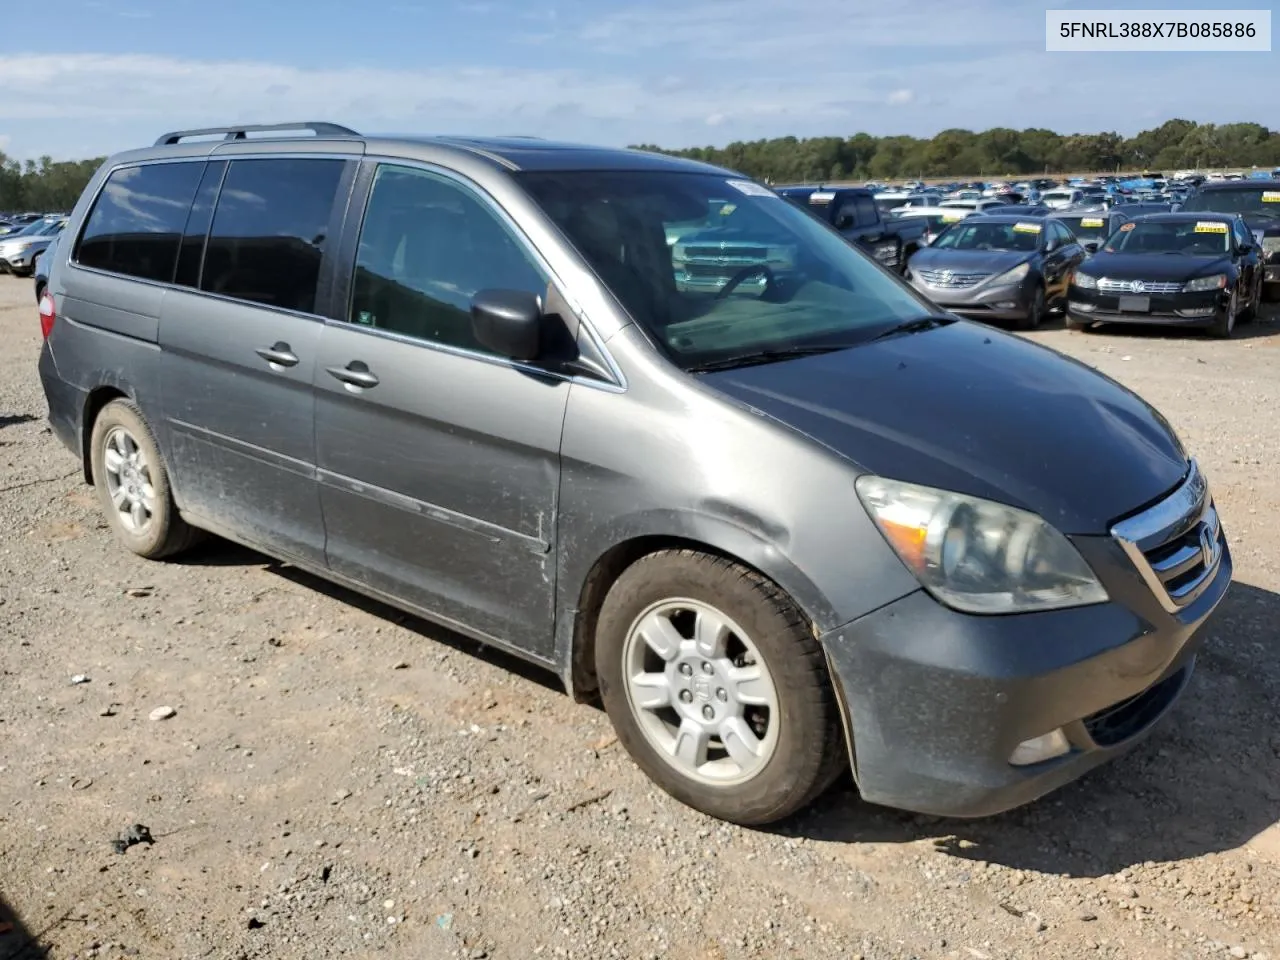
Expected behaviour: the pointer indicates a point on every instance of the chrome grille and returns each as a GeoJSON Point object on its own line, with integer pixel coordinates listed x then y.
{"type": "Point", "coordinates": [1146, 286]}
{"type": "Point", "coordinates": [726, 254]}
{"type": "Point", "coordinates": [1176, 545]}
{"type": "Point", "coordinates": [950, 280]}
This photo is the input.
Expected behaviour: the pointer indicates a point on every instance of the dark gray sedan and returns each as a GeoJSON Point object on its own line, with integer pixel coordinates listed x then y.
{"type": "Point", "coordinates": [1004, 268]}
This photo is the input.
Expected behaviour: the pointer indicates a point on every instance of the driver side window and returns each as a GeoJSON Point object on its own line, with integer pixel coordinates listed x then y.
{"type": "Point", "coordinates": [427, 246]}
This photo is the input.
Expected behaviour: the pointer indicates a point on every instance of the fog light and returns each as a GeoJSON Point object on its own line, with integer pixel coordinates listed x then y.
{"type": "Point", "coordinates": [1039, 749]}
{"type": "Point", "coordinates": [1197, 312]}
{"type": "Point", "coordinates": [1006, 304]}
{"type": "Point", "coordinates": [1080, 307]}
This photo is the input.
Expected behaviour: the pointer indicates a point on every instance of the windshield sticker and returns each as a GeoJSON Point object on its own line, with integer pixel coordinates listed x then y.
{"type": "Point", "coordinates": [1210, 226]}
{"type": "Point", "coordinates": [727, 209]}
{"type": "Point", "coordinates": [1090, 221]}
{"type": "Point", "coordinates": [1126, 227]}
{"type": "Point", "coordinates": [750, 189]}
{"type": "Point", "coordinates": [1026, 228]}
{"type": "Point", "coordinates": [821, 196]}
{"type": "Point", "coordinates": [1271, 196]}
{"type": "Point", "coordinates": [952, 217]}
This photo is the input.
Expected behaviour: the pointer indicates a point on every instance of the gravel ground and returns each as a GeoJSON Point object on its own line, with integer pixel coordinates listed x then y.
{"type": "Point", "coordinates": [338, 779]}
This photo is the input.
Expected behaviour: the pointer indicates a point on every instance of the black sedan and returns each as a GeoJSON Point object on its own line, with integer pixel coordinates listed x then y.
{"type": "Point", "coordinates": [998, 268]}
{"type": "Point", "coordinates": [1195, 270]}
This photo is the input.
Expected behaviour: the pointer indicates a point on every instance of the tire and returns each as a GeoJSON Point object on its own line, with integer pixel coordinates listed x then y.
{"type": "Point", "coordinates": [120, 431]}
{"type": "Point", "coordinates": [800, 741]}
{"type": "Point", "coordinates": [1250, 314]}
{"type": "Point", "coordinates": [1035, 316]}
{"type": "Point", "coordinates": [1223, 327]}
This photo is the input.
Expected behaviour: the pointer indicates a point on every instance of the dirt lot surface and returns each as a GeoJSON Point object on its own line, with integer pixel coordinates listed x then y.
{"type": "Point", "coordinates": [339, 780]}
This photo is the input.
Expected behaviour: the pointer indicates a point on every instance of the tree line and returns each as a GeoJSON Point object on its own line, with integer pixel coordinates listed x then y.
{"type": "Point", "coordinates": [46, 185]}
{"type": "Point", "coordinates": [43, 186]}
{"type": "Point", "coordinates": [999, 152]}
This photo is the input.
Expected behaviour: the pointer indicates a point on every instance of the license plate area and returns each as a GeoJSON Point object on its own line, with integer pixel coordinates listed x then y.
{"type": "Point", "coordinates": [1135, 304]}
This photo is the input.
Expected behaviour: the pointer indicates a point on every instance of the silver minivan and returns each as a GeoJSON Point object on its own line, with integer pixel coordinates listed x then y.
{"type": "Point", "coordinates": [786, 525]}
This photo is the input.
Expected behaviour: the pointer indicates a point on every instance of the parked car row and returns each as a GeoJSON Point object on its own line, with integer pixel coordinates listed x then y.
{"type": "Point", "coordinates": [20, 248]}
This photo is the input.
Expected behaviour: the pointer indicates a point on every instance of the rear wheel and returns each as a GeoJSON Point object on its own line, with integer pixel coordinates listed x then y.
{"type": "Point", "coordinates": [133, 484]}
{"type": "Point", "coordinates": [717, 687]}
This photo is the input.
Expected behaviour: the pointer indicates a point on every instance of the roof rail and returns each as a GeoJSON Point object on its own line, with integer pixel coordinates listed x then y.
{"type": "Point", "coordinates": [242, 132]}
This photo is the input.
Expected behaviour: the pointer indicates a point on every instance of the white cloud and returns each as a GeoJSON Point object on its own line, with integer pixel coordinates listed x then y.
{"type": "Point", "coordinates": [716, 120]}
{"type": "Point", "coordinates": [900, 97]}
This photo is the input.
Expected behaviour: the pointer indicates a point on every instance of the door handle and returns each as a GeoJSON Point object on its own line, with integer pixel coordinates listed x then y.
{"type": "Point", "coordinates": [279, 353]}
{"type": "Point", "coordinates": [354, 374]}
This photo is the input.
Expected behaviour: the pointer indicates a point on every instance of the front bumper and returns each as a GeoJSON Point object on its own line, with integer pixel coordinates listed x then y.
{"type": "Point", "coordinates": [17, 263]}
{"type": "Point", "coordinates": [1177, 309]}
{"type": "Point", "coordinates": [1005, 302]}
{"type": "Point", "coordinates": [936, 701]}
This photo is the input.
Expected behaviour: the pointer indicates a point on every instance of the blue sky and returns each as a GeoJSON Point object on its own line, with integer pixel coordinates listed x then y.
{"type": "Point", "coordinates": [87, 77]}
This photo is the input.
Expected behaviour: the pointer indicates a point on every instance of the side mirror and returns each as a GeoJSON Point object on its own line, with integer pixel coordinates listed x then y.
{"type": "Point", "coordinates": [1244, 249]}
{"type": "Point", "coordinates": [508, 322]}
{"type": "Point", "coordinates": [1090, 246]}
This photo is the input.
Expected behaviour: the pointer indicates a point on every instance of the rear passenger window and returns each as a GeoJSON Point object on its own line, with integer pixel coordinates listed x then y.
{"type": "Point", "coordinates": [866, 212]}
{"type": "Point", "coordinates": [269, 231]}
{"type": "Point", "coordinates": [136, 223]}
{"type": "Point", "coordinates": [426, 247]}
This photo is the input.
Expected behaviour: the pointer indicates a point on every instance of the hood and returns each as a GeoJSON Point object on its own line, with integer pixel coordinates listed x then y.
{"type": "Point", "coordinates": [1154, 266]}
{"type": "Point", "coordinates": [969, 261]}
{"type": "Point", "coordinates": [973, 410]}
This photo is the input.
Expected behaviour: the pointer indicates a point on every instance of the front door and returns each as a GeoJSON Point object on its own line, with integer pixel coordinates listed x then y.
{"type": "Point", "coordinates": [439, 463]}
{"type": "Point", "coordinates": [240, 343]}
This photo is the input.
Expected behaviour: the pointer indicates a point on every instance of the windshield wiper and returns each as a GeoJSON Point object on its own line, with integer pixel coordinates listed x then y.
{"type": "Point", "coordinates": [757, 357]}
{"type": "Point", "coordinates": [915, 325]}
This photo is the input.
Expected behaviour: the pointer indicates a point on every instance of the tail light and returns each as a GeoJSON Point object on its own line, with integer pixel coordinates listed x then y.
{"type": "Point", "coordinates": [47, 315]}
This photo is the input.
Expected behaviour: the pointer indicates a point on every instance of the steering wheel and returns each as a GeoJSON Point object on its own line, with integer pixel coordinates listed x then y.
{"type": "Point", "coordinates": [748, 271]}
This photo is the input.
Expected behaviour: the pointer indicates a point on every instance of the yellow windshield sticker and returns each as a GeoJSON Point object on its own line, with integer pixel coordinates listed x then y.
{"type": "Point", "coordinates": [1210, 226]}
{"type": "Point", "coordinates": [1271, 196]}
{"type": "Point", "coordinates": [1090, 221]}
{"type": "Point", "coordinates": [727, 209]}
{"type": "Point", "coordinates": [952, 217]}
{"type": "Point", "coordinates": [1026, 228]}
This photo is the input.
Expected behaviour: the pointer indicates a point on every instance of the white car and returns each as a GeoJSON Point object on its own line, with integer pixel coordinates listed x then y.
{"type": "Point", "coordinates": [936, 218]}
{"type": "Point", "coordinates": [1062, 197]}
{"type": "Point", "coordinates": [976, 204]}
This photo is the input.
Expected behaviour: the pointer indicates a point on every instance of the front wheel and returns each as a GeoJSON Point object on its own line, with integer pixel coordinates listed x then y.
{"type": "Point", "coordinates": [1225, 325]}
{"type": "Point", "coordinates": [717, 687]}
{"type": "Point", "coordinates": [1035, 315]}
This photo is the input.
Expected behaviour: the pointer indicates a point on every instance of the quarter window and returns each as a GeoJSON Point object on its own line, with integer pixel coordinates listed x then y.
{"type": "Point", "coordinates": [426, 247]}
{"type": "Point", "coordinates": [269, 231]}
{"type": "Point", "coordinates": [136, 223]}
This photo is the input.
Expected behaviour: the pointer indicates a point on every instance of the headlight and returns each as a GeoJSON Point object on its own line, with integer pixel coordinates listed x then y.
{"type": "Point", "coordinates": [1271, 244]}
{"type": "Point", "coordinates": [1200, 284]}
{"type": "Point", "coordinates": [1084, 281]}
{"type": "Point", "coordinates": [1011, 276]}
{"type": "Point", "coordinates": [977, 556]}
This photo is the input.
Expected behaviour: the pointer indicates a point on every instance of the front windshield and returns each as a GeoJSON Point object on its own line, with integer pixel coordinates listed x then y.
{"type": "Point", "coordinates": [37, 228]}
{"type": "Point", "coordinates": [982, 234]}
{"type": "Point", "coordinates": [1196, 238]}
{"type": "Point", "coordinates": [1253, 202]}
{"type": "Point", "coordinates": [759, 275]}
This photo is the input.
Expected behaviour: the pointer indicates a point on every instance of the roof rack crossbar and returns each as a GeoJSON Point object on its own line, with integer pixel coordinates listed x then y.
{"type": "Point", "coordinates": [242, 132]}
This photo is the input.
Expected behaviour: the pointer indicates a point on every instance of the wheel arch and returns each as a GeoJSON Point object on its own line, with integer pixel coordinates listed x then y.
{"type": "Point", "coordinates": [95, 400]}
{"type": "Point", "coordinates": [582, 596]}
